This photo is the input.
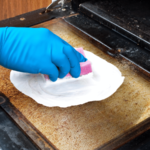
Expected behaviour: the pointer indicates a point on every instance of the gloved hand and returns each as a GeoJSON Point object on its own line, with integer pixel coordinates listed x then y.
{"type": "Point", "coordinates": [38, 50]}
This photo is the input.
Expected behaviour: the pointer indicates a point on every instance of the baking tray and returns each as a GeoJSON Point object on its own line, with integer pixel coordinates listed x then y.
{"type": "Point", "coordinates": [96, 125]}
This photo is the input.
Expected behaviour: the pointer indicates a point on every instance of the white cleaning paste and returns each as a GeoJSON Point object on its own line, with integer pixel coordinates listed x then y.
{"type": "Point", "coordinates": [98, 85]}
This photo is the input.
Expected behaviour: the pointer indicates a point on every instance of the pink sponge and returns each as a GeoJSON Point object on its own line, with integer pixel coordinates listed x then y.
{"type": "Point", "coordinates": [85, 66]}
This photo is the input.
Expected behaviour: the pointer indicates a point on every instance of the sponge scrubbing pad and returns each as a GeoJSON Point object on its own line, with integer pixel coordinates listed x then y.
{"type": "Point", "coordinates": [85, 66]}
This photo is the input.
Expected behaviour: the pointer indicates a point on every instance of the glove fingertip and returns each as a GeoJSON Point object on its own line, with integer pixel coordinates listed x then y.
{"type": "Point", "coordinates": [75, 72]}
{"type": "Point", "coordinates": [80, 57]}
{"type": "Point", "coordinates": [52, 79]}
{"type": "Point", "coordinates": [61, 75]}
{"type": "Point", "coordinates": [83, 59]}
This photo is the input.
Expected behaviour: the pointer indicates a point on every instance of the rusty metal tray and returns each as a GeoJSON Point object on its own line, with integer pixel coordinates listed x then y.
{"type": "Point", "coordinates": [118, 119]}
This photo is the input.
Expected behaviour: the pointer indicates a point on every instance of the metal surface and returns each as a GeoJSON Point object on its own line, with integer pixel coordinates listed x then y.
{"type": "Point", "coordinates": [38, 16]}
{"type": "Point", "coordinates": [27, 130]}
{"type": "Point", "coordinates": [11, 137]}
{"type": "Point", "coordinates": [131, 19]}
{"type": "Point", "coordinates": [76, 3]}
{"type": "Point", "coordinates": [141, 142]}
{"type": "Point", "coordinates": [54, 4]}
{"type": "Point", "coordinates": [68, 32]}
{"type": "Point", "coordinates": [112, 43]}
{"type": "Point", "coordinates": [63, 2]}
{"type": "Point", "coordinates": [2, 100]}
{"type": "Point", "coordinates": [127, 136]}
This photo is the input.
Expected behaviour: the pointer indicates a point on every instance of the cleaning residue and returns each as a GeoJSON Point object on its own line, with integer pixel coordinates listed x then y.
{"type": "Point", "coordinates": [97, 85]}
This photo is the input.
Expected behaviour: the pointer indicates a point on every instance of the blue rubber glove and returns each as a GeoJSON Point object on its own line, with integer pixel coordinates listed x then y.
{"type": "Point", "coordinates": [38, 50]}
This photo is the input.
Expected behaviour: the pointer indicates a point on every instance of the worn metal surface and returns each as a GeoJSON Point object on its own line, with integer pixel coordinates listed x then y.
{"type": "Point", "coordinates": [129, 18]}
{"type": "Point", "coordinates": [126, 137]}
{"type": "Point", "coordinates": [2, 100]}
{"type": "Point", "coordinates": [141, 142]}
{"type": "Point", "coordinates": [27, 135]}
{"type": "Point", "coordinates": [11, 137]}
{"type": "Point", "coordinates": [76, 3]}
{"type": "Point", "coordinates": [38, 16]}
{"type": "Point", "coordinates": [112, 43]}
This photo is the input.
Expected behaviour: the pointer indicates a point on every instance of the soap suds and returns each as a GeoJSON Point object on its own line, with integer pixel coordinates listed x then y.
{"type": "Point", "coordinates": [98, 85]}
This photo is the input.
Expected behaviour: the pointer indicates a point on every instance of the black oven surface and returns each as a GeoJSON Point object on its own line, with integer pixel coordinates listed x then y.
{"type": "Point", "coordinates": [130, 18]}
{"type": "Point", "coordinates": [111, 42]}
{"type": "Point", "coordinates": [141, 142]}
{"type": "Point", "coordinates": [11, 137]}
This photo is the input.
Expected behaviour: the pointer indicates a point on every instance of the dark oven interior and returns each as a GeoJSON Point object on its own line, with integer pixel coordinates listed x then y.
{"type": "Point", "coordinates": [130, 18]}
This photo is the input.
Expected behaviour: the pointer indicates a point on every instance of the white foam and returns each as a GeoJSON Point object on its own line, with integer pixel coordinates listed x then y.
{"type": "Point", "coordinates": [96, 86]}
